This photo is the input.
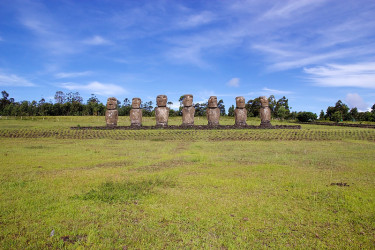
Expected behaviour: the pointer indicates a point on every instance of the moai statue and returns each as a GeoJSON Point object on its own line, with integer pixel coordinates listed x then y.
{"type": "Point", "coordinates": [265, 112]}
{"type": "Point", "coordinates": [213, 112]}
{"type": "Point", "coordinates": [136, 113]}
{"type": "Point", "coordinates": [111, 115]}
{"type": "Point", "coordinates": [161, 111]}
{"type": "Point", "coordinates": [188, 111]}
{"type": "Point", "coordinates": [240, 113]}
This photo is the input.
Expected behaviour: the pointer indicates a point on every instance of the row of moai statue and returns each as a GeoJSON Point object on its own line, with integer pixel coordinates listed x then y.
{"type": "Point", "coordinates": [188, 111]}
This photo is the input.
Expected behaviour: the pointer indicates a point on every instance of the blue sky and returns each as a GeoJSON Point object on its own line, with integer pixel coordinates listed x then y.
{"type": "Point", "coordinates": [312, 51]}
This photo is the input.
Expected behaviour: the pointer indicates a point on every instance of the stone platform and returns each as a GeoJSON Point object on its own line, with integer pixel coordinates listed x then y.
{"type": "Point", "coordinates": [195, 127]}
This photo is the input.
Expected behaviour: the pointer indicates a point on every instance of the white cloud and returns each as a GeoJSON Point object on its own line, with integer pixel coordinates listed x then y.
{"type": "Point", "coordinates": [14, 81]}
{"type": "Point", "coordinates": [72, 74]}
{"type": "Point", "coordinates": [97, 40]}
{"type": "Point", "coordinates": [234, 82]}
{"type": "Point", "coordinates": [276, 92]}
{"type": "Point", "coordinates": [355, 100]}
{"type": "Point", "coordinates": [360, 75]}
{"type": "Point", "coordinates": [103, 89]}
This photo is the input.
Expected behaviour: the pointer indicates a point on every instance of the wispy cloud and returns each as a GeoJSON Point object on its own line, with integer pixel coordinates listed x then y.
{"type": "Point", "coordinates": [52, 37]}
{"type": "Point", "coordinates": [97, 40]}
{"type": "Point", "coordinates": [187, 55]}
{"type": "Point", "coordinates": [14, 81]}
{"type": "Point", "coordinates": [234, 82]}
{"type": "Point", "coordinates": [276, 91]}
{"type": "Point", "coordinates": [1, 39]}
{"type": "Point", "coordinates": [354, 100]}
{"type": "Point", "coordinates": [360, 75]}
{"type": "Point", "coordinates": [286, 9]}
{"type": "Point", "coordinates": [103, 89]}
{"type": "Point", "coordinates": [72, 74]}
{"type": "Point", "coordinates": [195, 20]}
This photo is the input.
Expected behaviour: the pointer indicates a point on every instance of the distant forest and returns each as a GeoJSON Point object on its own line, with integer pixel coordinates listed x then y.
{"type": "Point", "coordinates": [72, 104]}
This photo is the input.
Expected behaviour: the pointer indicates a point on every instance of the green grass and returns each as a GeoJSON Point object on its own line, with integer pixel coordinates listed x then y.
{"type": "Point", "coordinates": [184, 189]}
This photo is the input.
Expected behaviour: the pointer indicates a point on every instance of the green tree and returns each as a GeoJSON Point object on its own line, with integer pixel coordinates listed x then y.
{"type": "Point", "coordinates": [337, 116]}
{"type": "Point", "coordinates": [253, 107]}
{"type": "Point", "coordinates": [231, 111]}
{"type": "Point", "coordinates": [283, 104]}
{"type": "Point", "coordinates": [321, 115]}
{"type": "Point", "coordinates": [221, 106]}
{"type": "Point", "coordinates": [306, 116]}
{"type": "Point", "coordinates": [339, 107]}
{"type": "Point", "coordinates": [200, 109]}
{"type": "Point", "coordinates": [281, 113]}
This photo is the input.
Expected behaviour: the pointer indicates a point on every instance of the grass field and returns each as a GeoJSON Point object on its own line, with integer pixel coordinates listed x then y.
{"type": "Point", "coordinates": [63, 188]}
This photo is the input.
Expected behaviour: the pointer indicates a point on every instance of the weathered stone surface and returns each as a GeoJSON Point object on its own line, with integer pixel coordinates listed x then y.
{"type": "Point", "coordinates": [161, 112]}
{"type": "Point", "coordinates": [136, 117]}
{"type": "Point", "coordinates": [212, 102]}
{"type": "Point", "coordinates": [240, 113]}
{"type": "Point", "coordinates": [111, 103]}
{"type": "Point", "coordinates": [188, 100]}
{"type": "Point", "coordinates": [188, 116]}
{"type": "Point", "coordinates": [161, 116]}
{"type": "Point", "coordinates": [136, 112]}
{"type": "Point", "coordinates": [240, 116]}
{"type": "Point", "coordinates": [213, 116]}
{"type": "Point", "coordinates": [188, 111]}
{"type": "Point", "coordinates": [161, 100]}
{"type": "Point", "coordinates": [136, 103]}
{"type": "Point", "coordinates": [240, 102]}
{"type": "Point", "coordinates": [111, 117]}
{"type": "Point", "coordinates": [265, 112]}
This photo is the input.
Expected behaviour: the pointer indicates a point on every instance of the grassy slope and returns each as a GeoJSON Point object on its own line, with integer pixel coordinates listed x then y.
{"type": "Point", "coordinates": [186, 192]}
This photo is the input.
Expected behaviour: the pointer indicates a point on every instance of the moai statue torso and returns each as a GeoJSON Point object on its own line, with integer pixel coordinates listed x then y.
{"type": "Point", "coordinates": [161, 112]}
{"type": "Point", "coordinates": [111, 114]}
{"type": "Point", "coordinates": [240, 113]}
{"type": "Point", "coordinates": [265, 112]}
{"type": "Point", "coordinates": [136, 113]}
{"type": "Point", "coordinates": [188, 111]}
{"type": "Point", "coordinates": [213, 112]}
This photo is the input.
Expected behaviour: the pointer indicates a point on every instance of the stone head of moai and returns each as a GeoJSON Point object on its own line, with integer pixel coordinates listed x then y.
{"type": "Point", "coordinates": [240, 102]}
{"type": "Point", "coordinates": [188, 100]}
{"type": "Point", "coordinates": [161, 100]}
{"type": "Point", "coordinates": [212, 102]}
{"type": "Point", "coordinates": [264, 101]}
{"type": "Point", "coordinates": [111, 103]}
{"type": "Point", "coordinates": [136, 103]}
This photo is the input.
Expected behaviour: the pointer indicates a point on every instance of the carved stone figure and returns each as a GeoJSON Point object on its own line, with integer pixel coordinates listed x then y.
{"type": "Point", "coordinates": [111, 114]}
{"type": "Point", "coordinates": [161, 112]}
{"type": "Point", "coordinates": [136, 113]}
{"type": "Point", "coordinates": [240, 113]}
{"type": "Point", "coordinates": [188, 111]}
{"type": "Point", "coordinates": [213, 112]}
{"type": "Point", "coordinates": [265, 112]}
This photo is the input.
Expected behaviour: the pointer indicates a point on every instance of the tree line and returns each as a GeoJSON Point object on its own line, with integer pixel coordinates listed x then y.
{"type": "Point", "coordinates": [71, 104]}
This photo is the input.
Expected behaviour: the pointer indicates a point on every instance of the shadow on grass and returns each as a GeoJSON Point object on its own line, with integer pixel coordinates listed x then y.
{"type": "Point", "coordinates": [113, 192]}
